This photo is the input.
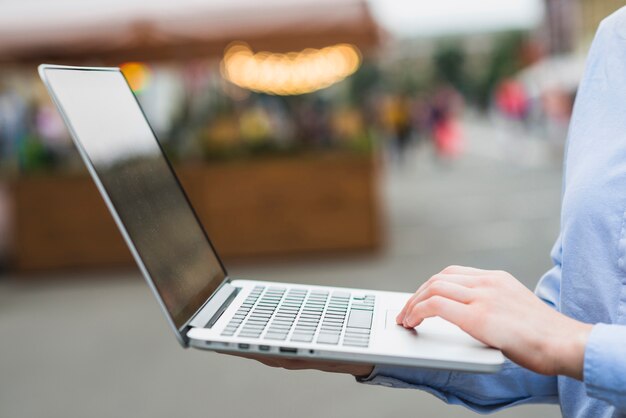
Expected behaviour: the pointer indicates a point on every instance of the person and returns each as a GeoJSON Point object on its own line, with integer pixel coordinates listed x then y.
{"type": "Point", "coordinates": [566, 342]}
{"type": "Point", "coordinates": [446, 129]}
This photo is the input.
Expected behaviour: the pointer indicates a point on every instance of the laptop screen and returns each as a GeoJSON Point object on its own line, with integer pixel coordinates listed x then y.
{"type": "Point", "coordinates": [109, 125]}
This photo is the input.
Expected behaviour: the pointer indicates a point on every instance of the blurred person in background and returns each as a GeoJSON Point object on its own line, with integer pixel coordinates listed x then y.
{"type": "Point", "coordinates": [397, 119]}
{"type": "Point", "coordinates": [511, 100]}
{"type": "Point", "coordinates": [567, 341]}
{"type": "Point", "coordinates": [445, 127]}
{"type": "Point", "coordinates": [557, 106]}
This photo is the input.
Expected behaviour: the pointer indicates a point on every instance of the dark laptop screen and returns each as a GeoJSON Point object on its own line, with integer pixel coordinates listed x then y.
{"type": "Point", "coordinates": [110, 127]}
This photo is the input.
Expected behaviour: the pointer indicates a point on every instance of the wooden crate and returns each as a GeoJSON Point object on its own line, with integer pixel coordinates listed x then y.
{"type": "Point", "coordinates": [262, 208]}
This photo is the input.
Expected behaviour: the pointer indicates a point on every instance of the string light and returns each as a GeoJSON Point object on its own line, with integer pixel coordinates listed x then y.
{"type": "Point", "coordinates": [290, 73]}
{"type": "Point", "coordinates": [137, 74]}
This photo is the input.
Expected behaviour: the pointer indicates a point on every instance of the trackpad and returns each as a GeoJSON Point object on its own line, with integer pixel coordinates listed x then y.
{"type": "Point", "coordinates": [433, 331]}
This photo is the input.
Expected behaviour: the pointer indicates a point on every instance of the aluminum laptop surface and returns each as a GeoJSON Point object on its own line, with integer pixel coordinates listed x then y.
{"type": "Point", "coordinates": [204, 307]}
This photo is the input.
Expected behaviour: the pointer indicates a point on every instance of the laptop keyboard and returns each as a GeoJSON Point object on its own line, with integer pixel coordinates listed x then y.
{"type": "Point", "coordinates": [301, 315]}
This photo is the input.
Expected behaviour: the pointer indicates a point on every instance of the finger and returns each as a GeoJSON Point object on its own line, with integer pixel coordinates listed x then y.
{"type": "Point", "coordinates": [448, 309]}
{"type": "Point", "coordinates": [452, 273]}
{"type": "Point", "coordinates": [457, 274]}
{"type": "Point", "coordinates": [468, 281]}
{"type": "Point", "coordinates": [449, 290]}
{"type": "Point", "coordinates": [405, 308]}
{"type": "Point", "coordinates": [409, 302]}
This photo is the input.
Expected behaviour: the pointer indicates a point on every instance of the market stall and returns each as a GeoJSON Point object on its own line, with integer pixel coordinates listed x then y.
{"type": "Point", "coordinates": [266, 113]}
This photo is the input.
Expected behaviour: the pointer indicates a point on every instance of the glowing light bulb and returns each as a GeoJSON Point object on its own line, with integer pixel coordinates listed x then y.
{"type": "Point", "coordinates": [290, 73]}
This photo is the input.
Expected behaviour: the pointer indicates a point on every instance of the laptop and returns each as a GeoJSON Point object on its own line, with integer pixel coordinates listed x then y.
{"type": "Point", "coordinates": [205, 307]}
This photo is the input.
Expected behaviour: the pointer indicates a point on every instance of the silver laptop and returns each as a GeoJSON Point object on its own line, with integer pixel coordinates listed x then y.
{"type": "Point", "coordinates": [206, 308]}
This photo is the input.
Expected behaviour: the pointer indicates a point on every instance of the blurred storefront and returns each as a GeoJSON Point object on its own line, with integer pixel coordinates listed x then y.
{"type": "Point", "coordinates": [550, 81]}
{"type": "Point", "coordinates": [591, 14]}
{"type": "Point", "coordinates": [267, 112]}
{"type": "Point", "coordinates": [571, 24]}
{"type": "Point", "coordinates": [561, 26]}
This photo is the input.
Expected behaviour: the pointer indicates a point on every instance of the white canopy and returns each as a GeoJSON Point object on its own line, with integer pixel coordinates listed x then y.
{"type": "Point", "coordinates": [562, 72]}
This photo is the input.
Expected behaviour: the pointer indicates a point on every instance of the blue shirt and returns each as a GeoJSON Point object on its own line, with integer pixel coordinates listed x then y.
{"type": "Point", "coordinates": [588, 280]}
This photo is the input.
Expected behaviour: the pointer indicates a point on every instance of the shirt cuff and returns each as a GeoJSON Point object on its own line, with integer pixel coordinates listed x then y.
{"type": "Point", "coordinates": [405, 377]}
{"type": "Point", "coordinates": [409, 378]}
{"type": "Point", "coordinates": [604, 370]}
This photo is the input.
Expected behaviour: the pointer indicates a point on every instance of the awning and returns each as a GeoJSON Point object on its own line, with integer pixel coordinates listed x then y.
{"type": "Point", "coordinates": [562, 72]}
{"type": "Point", "coordinates": [119, 30]}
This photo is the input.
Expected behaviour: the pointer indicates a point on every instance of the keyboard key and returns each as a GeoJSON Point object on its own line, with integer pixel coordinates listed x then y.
{"type": "Point", "coordinates": [337, 309]}
{"type": "Point", "coordinates": [254, 326]}
{"type": "Point", "coordinates": [353, 336]}
{"type": "Point", "coordinates": [285, 316]}
{"type": "Point", "coordinates": [276, 336]}
{"type": "Point", "coordinates": [278, 322]}
{"type": "Point", "coordinates": [327, 338]}
{"type": "Point", "coordinates": [247, 335]}
{"type": "Point", "coordinates": [362, 308]}
{"type": "Point", "coordinates": [308, 325]}
{"type": "Point", "coordinates": [300, 337]}
{"type": "Point", "coordinates": [306, 320]}
{"type": "Point", "coordinates": [257, 321]}
{"type": "Point", "coordinates": [310, 314]}
{"type": "Point", "coordinates": [361, 331]}
{"type": "Point", "coordinates": [278, 327]}
{"type": "Point", "coordinates": [330, 330]}
{"type": "Point", "coordinates": [360, 319]}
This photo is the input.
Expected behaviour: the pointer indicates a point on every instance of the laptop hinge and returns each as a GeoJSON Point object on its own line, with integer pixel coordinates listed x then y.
{"type": "Point", "coordinates": [215, 307]}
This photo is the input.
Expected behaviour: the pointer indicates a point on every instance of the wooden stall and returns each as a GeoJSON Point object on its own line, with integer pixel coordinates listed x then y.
{"type": "Point", "coordinates": [277, 207]}
{"type": "Point", "coordinates": [319, 202]}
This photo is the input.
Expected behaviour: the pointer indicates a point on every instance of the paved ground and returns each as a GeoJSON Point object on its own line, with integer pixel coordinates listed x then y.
{"type": "Point", "coordinates": [97, 346]}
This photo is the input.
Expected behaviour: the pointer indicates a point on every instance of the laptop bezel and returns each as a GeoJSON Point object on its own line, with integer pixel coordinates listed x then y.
{"type": "Point", "coordinates": [179, 332]}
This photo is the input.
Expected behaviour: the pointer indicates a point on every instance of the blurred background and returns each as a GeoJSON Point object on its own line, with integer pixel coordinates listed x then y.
{"type": "Point", "coordinates": [345, 142]}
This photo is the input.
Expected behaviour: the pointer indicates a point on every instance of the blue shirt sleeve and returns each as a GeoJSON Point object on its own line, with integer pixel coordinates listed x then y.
{"type": "Point", "coordinates": [605, 364]}
{"type": "Point", "coordinates": [513, 385]}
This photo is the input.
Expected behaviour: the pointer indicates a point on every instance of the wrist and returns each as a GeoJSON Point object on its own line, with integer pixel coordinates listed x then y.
{"type": "Point", "coordinates": [567, 348]}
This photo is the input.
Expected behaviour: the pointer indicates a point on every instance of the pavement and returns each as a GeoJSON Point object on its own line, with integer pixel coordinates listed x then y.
{"type": "Point", "coordinates": [96, 345]}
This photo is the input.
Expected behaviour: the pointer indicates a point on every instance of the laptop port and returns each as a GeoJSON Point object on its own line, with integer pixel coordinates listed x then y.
{"type": "Point", "coordinates": [264, 348]}
{"type": "Point", "coordinates": [244, 346]}
{"type": "Point", "coordinates": [288, 350]}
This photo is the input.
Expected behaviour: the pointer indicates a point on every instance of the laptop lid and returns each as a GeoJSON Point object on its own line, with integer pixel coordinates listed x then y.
{"type": "Point", "coordinates": [139, 186]}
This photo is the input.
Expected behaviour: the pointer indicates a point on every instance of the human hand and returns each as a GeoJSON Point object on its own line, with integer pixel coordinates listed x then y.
{"type": "Point", "coordinates": [357, 370]}
{"type": "Point", "coordinates": [495, 308]}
